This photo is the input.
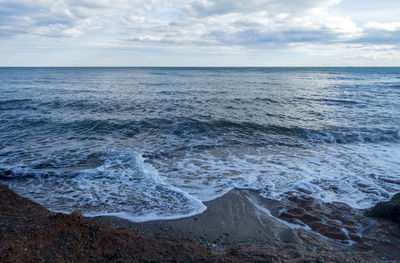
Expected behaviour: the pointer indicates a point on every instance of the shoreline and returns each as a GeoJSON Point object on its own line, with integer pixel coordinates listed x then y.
{"type": "Point", "coordinates": [232, 229]}
{"type": "Point", "coordinates": [229, 219]}
{"type": "Point", "coordinates": [244, 217]}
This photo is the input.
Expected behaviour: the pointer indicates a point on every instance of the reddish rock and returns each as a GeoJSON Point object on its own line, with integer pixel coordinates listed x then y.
{"type": "Point", "coordinates": [329, 219]}
{"type": "Point", "coordinates": [31, 233]}
{"type": "Point", "coordinates": [328, 230]}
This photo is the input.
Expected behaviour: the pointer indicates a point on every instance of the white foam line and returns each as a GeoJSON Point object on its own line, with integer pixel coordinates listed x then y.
{"type": "Point", "coordinates": [148, 218]}
{"type": "Point", "coordinates": [268, 213]}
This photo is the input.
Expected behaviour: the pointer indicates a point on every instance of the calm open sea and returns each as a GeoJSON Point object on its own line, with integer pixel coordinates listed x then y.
{"type": "Point", "coordinates": [148, 143]}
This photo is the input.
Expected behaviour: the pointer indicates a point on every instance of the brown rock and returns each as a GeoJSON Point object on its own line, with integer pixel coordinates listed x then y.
{"type": "Point", "coordinates": [31, 233]}
{"type": "Point", "coordinates": [326, 219]}
{"type": "Point", "coordinates": [327, 230]}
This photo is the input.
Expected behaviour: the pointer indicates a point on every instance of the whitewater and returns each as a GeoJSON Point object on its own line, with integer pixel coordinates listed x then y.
{"type": "Point", "coordinates": [155, 143]}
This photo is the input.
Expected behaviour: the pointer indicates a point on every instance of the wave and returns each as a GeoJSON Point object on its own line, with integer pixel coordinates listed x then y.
{"type": "Point", "coordinates": [9, 174]}
{"type": "Point", "coordinates": [16, 104]}
{"type": "Point", "coordinates": [123, 185]}
{"type": "Point", "coordinates": [337, 101]}
{"type": "Point", "coordinates": [190, 128]}
{"type": "Point", "coordinates": [13, 101]}
{"type": "Point", "coordinates": [343, 136]}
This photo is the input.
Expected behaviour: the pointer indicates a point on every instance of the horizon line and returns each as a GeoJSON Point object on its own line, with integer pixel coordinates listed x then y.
{"type": "Point", "coordinates": [199, 66]}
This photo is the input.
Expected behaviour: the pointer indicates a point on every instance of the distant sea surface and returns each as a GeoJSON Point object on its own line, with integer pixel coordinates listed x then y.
{"type": "Point", "coordinates": [155, 143]}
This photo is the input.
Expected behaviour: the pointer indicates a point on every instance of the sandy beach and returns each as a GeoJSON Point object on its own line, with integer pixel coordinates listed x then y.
{"type": "Point", "coordinates": [228, 220]}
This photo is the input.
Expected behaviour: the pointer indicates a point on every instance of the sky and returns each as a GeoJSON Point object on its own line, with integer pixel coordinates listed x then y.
{"type": "Point", "coordinates": [199, 33]}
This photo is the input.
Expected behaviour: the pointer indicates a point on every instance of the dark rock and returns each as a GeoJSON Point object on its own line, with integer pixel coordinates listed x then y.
{"type": "Point", "coordinates": [389, 210]}
{"type": "Point", "coordinates": [347, 225]}
{"type": "Point", "coordinates": [327, 219]}
{"type": "Point", "coordinates": [329, 230]}
{"type": "Point", "coordinates": [31, 233]}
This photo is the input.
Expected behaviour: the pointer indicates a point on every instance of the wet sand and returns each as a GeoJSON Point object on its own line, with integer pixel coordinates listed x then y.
{"type": "Point", "coordinates": [241, 218]}
{"type": "Point", "coordinates": [230, 219]}
{"type": "Point", "coordinates": [233, 229]}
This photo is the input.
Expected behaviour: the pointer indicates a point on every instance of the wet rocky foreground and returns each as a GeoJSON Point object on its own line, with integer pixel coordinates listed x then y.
{"type": "Point", "coordinates": [232, 229]}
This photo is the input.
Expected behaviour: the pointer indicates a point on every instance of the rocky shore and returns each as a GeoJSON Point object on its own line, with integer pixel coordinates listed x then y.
{"type": "Point", "coordinates": [234, 228]}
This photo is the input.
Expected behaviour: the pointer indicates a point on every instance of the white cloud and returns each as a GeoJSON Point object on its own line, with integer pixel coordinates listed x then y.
{"type": "Point", "coordinates": [213, 25]}
{"type": "Point", "coordinates": [220, 7]}
{"type": "Point", "coordinates": [255, 23]}
{"type": "Point", "coordinates": [383, 26]}
{"type": "Point", "coordinates": [197, 21]}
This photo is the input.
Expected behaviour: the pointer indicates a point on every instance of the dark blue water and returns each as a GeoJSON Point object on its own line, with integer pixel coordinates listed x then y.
{"type": "Point", "coordinates": [147, 143]}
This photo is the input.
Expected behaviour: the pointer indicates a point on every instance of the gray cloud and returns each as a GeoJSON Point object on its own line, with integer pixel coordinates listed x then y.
{"type": "Point", "coordinates": [377, 37]}
{"type": "Point", "coordinates": [221, 7]}
{"type": "Point", "coordinates": [248, 23]}
{"type": "Point", "coordinates": [37, 17]}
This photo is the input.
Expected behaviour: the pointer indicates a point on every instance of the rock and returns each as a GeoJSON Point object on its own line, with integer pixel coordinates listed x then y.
{"type": "Point", "coordinates": [389, 210]}
{"type": "Point", "coordinates": [342, 223]}
{"type": "Point", "coordinates": [329, 219]}
{"type": "Point", "coordinates": [329, 230]}
{"type": "Point", "coordinates": [31, 233]}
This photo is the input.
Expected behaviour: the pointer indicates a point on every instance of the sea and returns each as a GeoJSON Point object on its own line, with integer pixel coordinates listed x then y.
{"type": "Point", "coordinates": [156, 143]}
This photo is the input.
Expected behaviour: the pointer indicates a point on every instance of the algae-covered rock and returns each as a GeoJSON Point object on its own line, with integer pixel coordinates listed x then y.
{"type": "Point", "coordinates": [389, 210]}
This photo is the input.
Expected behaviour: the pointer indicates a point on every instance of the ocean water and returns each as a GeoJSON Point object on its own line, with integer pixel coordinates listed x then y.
{"type": "Point", "coordinates": [155, 143]}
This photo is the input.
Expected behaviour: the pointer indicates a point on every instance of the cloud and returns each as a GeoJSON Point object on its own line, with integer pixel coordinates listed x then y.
{"type": "Point", "coordinates": [57, 18]}
{"type": "Point", "coordinates": [205, 8]}
{"type": "Point", "coordinates": [41, 17]}
{"type": "Point", "coordinates": [255, 23]}
{"type": "Point", "coordinates": [197, 22]}
{"type": "Point", "coordinates": [380, 34]}
{"type": "Point", "coordinates": [260, 25]}
{"type": "Point", "coordinates": [391, 27]}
